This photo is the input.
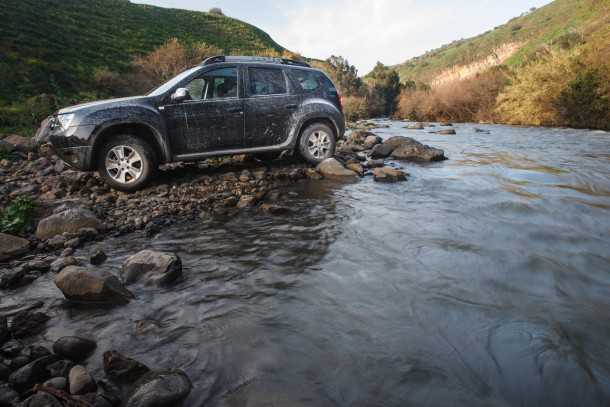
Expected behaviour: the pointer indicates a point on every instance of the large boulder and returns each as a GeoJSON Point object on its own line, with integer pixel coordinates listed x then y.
{"type": "Point", "coordinates": [382, 151]}
{"type": "Point", "coordinates": [406, 148]}
{"type": "Point", "coordinates": [155, 268]}
{"type": "Point", "coordinates": [160, 388]}
{"type": "Point", "coordinates": [85, 285]}
{"type": "Point", "coordinates": [11, 246]}
{"type": "Point", "coordinates": [69, 220]}
{"type": "Point", "coordinates": [331, 167]}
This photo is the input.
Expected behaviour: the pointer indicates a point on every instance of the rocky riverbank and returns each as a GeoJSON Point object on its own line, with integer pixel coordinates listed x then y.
{"type": "Point", "coordinates": [75, 209]}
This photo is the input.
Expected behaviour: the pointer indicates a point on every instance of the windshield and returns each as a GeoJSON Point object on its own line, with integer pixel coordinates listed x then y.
{"type": "Point", "coordinates": [172, 82]}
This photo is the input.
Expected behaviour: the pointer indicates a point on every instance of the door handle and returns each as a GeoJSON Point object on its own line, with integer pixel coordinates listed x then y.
{"type": "Point", "coordinates": [291, 107]}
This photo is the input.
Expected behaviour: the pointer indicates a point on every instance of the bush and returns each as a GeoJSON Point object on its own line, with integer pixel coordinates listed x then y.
{"type": "Point", "coordinates": [40, 107]}
{"type": "Point", "coordinates": [355, 108]}
{"type": "Point", "coordinates": [16, 215]}
{"type": "Point", "coordinates": [582, 103]}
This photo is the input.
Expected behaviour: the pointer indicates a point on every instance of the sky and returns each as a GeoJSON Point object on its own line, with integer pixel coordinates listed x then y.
{"type": "Point", "coordinates": [365, 31]}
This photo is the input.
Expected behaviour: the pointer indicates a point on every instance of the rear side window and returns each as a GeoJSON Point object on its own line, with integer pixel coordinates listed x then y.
{"type": "Point", "coordinates": [266, 81]}
{"type": "Point", "coordinates": [311, 81]}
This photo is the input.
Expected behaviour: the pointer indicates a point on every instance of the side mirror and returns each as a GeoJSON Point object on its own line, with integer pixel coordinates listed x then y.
{"type": "Point", "coordinates": [180, 95]}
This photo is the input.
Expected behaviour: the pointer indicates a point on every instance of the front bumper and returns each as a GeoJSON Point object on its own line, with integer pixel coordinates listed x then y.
{"type": "Point", "coordinates": [71, 145]}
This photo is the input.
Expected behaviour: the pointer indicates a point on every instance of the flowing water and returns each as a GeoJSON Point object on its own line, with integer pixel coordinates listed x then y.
{"type": "Point", "coordinates": [483, 280]}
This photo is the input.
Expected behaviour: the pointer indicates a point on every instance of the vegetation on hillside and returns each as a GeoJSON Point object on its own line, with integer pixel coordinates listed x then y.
{"type": "Point", "coordinates": [56, 52]}
{"type": "Point", "coordinates": [559, 77]}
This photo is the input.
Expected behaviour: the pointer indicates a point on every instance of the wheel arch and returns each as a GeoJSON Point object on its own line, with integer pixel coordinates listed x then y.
{"type": "Point", "coordinates": [138, 129]}
{"type": "Point", "coordinates": [318, 119]}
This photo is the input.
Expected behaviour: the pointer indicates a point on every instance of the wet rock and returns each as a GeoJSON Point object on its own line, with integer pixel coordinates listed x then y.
{"type": "Point", "coordinates": [12, 246]}
{"type": "Point", "coordinates": [11, 348]}
{"type": "Point", "coordinates": [371, 163]}
{"type": "Point", "coordinates": [61, 368]}
{"type": "Point", "coordinates": [33, 373]}
{"type": "Point", "coordinates": [62, 262]}
{"type": "Point", "coordinates": [479, 130]}
{"type": "Point", "coordinates": [156, 268]}
{"type": "Point", "coordinates": [4, 332]}
{"type": "Point", "coordinates": [389, 174]}
{"type": "Point", "coordinates": [41, 400]}
{"type": "Point", "coordinates": [59, 383]}
{"type": "Point", "coordinates": [416, 151]}
{"type": "Point", "coordinates": [356, 167]}
{"type": "Point", "coordinates": [415, 126]}
{"type": "Point", "coordinates": [15, 278]}
{"type": "Point", "coordinates": [70, 221]}
{"type": "Point", "coordinates": [333, 168]}
{"type": "Point", "coordinates": [246, 201]}
{"type": "Point", "coordinates": [122, 368]}
{"type": "Point", "coordinates": [446, 124]}
{"type": "Point", "coordinates": [37, 265]}
{"type": "Point", "coordinates": [74, 347]}
{"type": "Point", "coordinates": [80, 381]}
{"type": "Point", "coordinates": [84, 285]}
{"type": "Point", "coordinates": [27, 323]}
{"type": "Point", "coordinates": [8, 396]}
{"type": "Point", "coordinates": [14, 142]}
{"type": "Point", "coordinates": [275, 209]}
{"type": "Point", "coordinates": [160, 388]}
{"type": "Point", "coordinates": [98, 257]}
{"type": "Point", "coordinates": [371, 141]}
{"type": "Point", "coordinates": [5, 372]}
{"type": "Point", "coordinates": [447, 132]}
{"type": "Point", "coordinates": [382, 151]}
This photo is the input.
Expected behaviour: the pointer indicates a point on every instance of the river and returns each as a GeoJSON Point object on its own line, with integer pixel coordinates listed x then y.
{"type": "Point", "coordinates": [483, 280]}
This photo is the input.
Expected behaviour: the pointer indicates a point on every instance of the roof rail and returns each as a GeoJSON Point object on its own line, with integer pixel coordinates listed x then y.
{"type": "Point", "coordinates": [222, 58]}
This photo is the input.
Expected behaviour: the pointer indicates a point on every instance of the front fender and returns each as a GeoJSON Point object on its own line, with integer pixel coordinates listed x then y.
{"type": "Point", "coordinates": [143, 117]}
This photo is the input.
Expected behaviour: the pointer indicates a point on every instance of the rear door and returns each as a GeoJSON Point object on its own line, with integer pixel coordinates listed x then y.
{"type": "Point", "coordinates": [269, 106]}
{"type": "Point", "coordinates": [212, 119]}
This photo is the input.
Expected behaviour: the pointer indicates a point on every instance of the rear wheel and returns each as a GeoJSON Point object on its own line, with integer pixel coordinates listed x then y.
{"type": "Point", "coordinates": [126, 162]}
{"type": "Point", "coordinates": [317, 143]}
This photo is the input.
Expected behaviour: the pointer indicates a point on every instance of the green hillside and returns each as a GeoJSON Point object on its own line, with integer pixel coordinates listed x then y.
{"type": "Point", "coordinates": [54, 46]}
{"type": "Point", "coordinates": [561, 21]}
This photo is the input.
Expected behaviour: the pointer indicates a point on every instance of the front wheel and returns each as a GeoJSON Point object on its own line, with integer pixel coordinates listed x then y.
{"type": "Point", "coordinates": [126, 163]}
{"type": "Point", "coordinates": [317, 143]}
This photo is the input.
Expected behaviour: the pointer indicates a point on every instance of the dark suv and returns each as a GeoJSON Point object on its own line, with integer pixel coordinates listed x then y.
{"type": "Point", "coordinates": [226, 105]}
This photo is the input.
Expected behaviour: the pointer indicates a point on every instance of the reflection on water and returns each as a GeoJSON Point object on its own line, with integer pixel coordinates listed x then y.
{"type": "Point", "coordinates": [484, 280]}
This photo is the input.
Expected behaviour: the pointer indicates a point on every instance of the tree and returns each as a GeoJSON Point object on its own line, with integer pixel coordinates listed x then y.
{"type": "Point", "coordinates": [385, 85]}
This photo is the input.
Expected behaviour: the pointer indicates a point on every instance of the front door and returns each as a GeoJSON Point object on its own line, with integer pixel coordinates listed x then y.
{"type": "Point", "coordinates": [212, 118]}
{"type": "Point", "coordinates": [269, 107]}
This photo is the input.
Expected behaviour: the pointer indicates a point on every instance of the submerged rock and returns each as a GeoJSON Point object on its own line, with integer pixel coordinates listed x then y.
{"type": "Point", "coordinates": [415, 126]}
{"type": "Point", "coordinates": [156, 268]}
{"type": "Point", "coordinates": [67, 221]}
{"type": "Point", "coordinates": [331, 167]}
{"type": "Point", "coordinates": [74, 347]}
{"type": "Point", "coordinates": [447, 132]}
{"type": "Point", "coordinates": [27, 323]}
{"type": "Point", "coordinates": [389, 174]}
{"type": "Point", "coordinates": [122, 368]}
{"type": "Point", "coordinates": [160, 388]}
{"type": "Point", "coordinates": [12, 246]}
{"type": "Point", "coordinates": [41, 400]}
{"type": "Point", "coordinates": [91, 286]}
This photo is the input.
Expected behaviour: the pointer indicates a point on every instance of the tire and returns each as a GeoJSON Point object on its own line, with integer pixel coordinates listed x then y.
{"type": "Point", "coordinates": [317, 143]}
{"type": "Point", "coordinates": [125, 174]}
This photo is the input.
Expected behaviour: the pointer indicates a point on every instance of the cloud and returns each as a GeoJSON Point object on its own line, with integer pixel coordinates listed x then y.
{"type": "Point", "coordinates": [389, 31]}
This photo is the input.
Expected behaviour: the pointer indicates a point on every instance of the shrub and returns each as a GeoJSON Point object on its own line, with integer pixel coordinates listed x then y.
{"type": "Point", "coordinates": [41, 106]}
{"type": "Point", "coordinates": [16, 215]}
{"type": "Point", "coordinates": [535, 88]}
{"type": "Point", "coordinates": [582, 103]}
{"type": "Point", "coordinates": [355, 108]}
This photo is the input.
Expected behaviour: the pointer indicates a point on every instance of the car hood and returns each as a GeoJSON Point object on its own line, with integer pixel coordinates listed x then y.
{"type": "Point", "coordinates": [102, 104]}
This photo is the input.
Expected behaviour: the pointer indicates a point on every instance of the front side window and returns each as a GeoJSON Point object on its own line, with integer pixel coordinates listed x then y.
{"type": "Point", "coordinates": [266, 81]}
{"type": "Point", "coordinates": [216, 84]}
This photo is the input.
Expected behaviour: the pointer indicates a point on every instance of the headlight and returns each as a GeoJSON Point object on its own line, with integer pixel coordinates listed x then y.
{"type": "Point", "coordinates": [65, 120]}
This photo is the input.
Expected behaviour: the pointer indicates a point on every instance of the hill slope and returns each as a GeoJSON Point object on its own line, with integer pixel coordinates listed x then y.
{"type": "Point", "coordinates": [53, 46]}
{"type": "Point", "coordinates": [512, 43]}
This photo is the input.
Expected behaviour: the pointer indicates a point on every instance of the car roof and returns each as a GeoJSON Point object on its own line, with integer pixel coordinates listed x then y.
{"type": "Point", "coordinates": [253, 60]}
